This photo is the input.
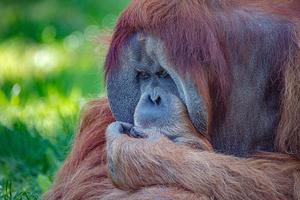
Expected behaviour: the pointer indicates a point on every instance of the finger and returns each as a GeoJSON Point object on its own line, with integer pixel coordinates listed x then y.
{"type": "Point", "coordinates": [115, 129]}
{"type": "Point", "coordinates": [126, 127]}
{"type": "Point", "coordinates": [137, 133]}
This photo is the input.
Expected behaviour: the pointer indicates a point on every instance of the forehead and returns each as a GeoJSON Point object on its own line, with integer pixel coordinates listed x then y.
{"type": "Point", "coordinates": [148, 53]}
{"type": "Point", "coordinates": [144, 51]}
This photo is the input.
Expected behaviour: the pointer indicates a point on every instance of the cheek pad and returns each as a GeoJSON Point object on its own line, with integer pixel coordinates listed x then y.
{"type": "Point", "coordinates": [196, 107]}
{"type": "Point", "coordinates": [123, 92]}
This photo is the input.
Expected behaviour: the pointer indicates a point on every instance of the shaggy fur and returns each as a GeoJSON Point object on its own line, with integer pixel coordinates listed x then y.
{"type": "Point", "coordinates": [148, 170]}
{"type": "Point", "coordinates": [163, 170]}
{"type": "Point", "coordinates": [84, 173]}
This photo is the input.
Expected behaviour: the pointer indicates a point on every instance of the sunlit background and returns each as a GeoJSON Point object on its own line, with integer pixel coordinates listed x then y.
{"type": "Point", "coordinates": [51, 62]}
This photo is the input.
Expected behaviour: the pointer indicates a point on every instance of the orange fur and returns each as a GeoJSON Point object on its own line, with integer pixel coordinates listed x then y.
{"type": "Point", "coordinates": [149, 170]}
{"type": "Point", "coordinates": [84, 173]}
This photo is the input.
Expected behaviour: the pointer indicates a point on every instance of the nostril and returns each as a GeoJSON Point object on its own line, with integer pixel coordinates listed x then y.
{"type": "Point", "coordinates": [158, 100]}
{"type": "Point", "coordinates": [155, 99]}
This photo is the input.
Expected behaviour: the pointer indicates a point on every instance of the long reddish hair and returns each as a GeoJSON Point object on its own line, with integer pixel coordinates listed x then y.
{"type": "Point", "coordinates": [193, 33]}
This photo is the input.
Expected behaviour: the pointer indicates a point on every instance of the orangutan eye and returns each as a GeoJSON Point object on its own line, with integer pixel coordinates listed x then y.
{"type": "Point", "coordinates": [142, 75]}
{"type": "Point", "coordinates": [162, 74]}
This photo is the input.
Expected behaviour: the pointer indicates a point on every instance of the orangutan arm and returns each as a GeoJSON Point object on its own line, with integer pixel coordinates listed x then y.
{"type": "Point", "coordinates": [84, 173]}
{"type": "Point", "coordinates": [136, 163]}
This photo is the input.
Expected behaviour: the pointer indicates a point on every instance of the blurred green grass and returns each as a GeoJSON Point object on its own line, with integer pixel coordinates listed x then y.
{"type": "Point", "coordinates": [50, 65]}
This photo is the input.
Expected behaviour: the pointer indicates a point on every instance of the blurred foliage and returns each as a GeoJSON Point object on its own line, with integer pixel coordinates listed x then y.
{"type": "Point", "coordinates": [37, 20]}
{"type": "Point", "coordinates": [50, 65]}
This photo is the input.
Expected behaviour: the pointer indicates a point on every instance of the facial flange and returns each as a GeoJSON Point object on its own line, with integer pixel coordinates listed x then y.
{"type": "Point", "coordinates": [124, 87]}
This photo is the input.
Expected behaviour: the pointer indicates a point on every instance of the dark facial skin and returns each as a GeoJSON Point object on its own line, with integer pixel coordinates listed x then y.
{"type": "Point", "coordinates": [159, 95]}
{"type": "Point", "coordinates": [143, 66]}
{"type": "Point", "coordinates": [160, 111]}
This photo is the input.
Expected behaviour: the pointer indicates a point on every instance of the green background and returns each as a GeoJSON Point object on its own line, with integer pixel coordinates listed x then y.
{"type": "Point", "coordinates": [51, 58]}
